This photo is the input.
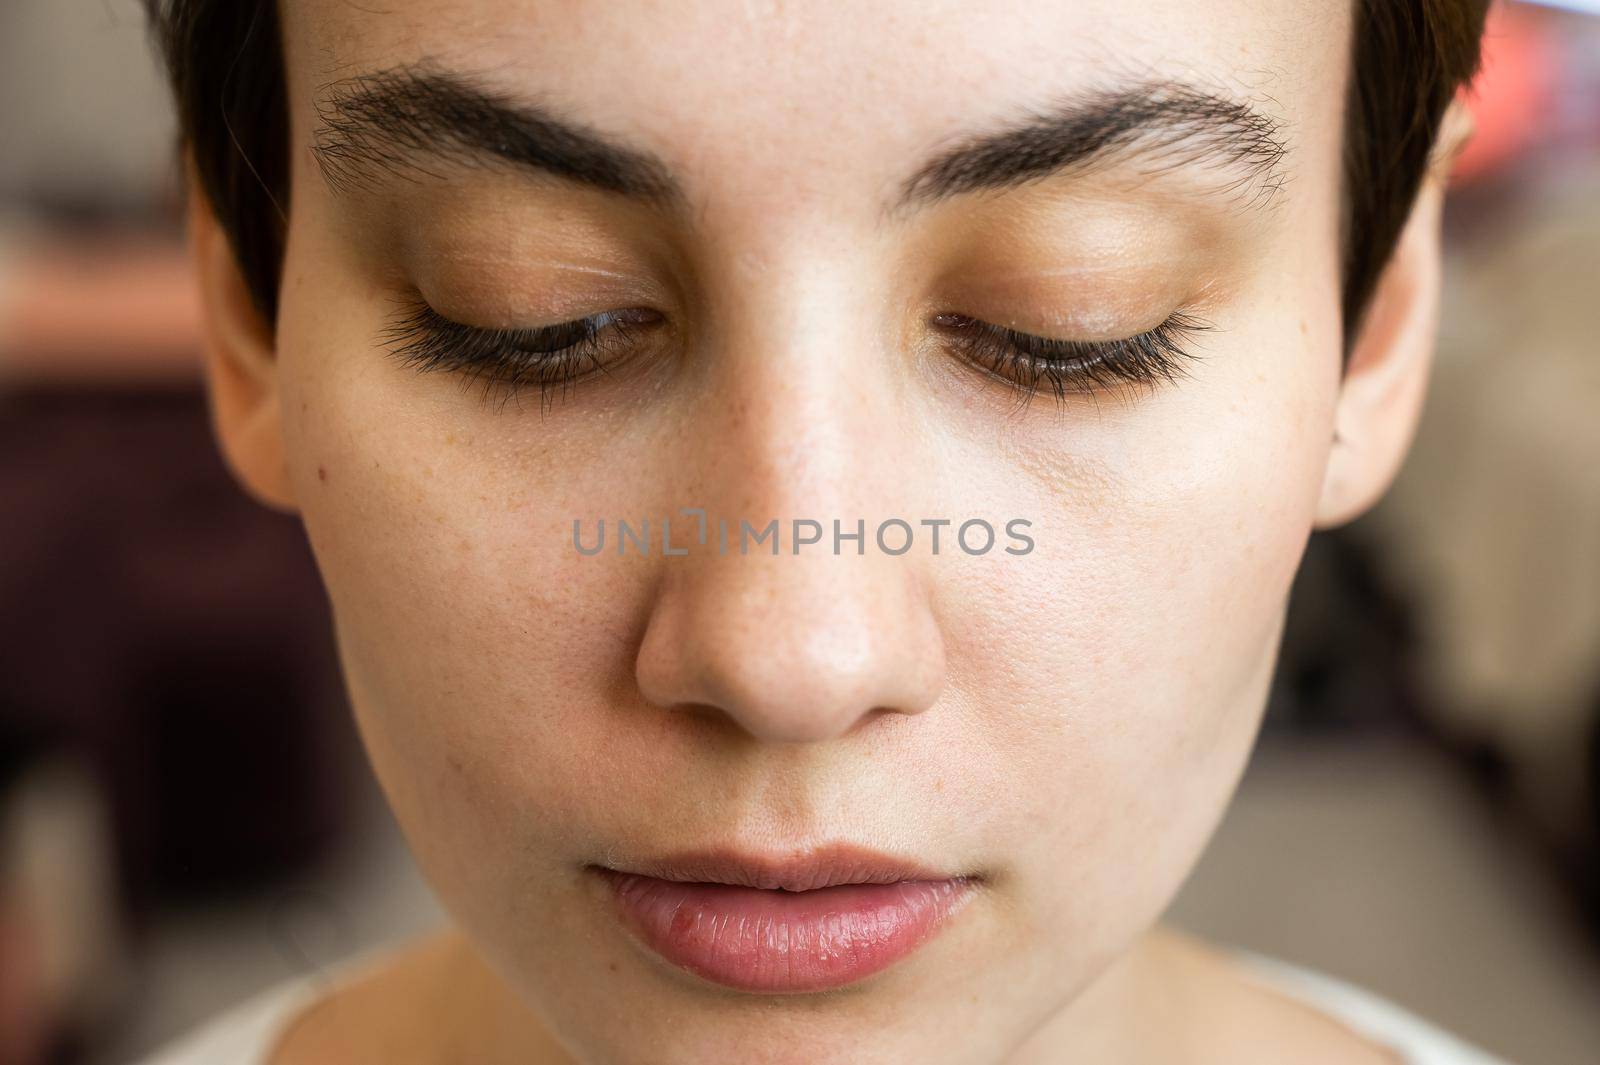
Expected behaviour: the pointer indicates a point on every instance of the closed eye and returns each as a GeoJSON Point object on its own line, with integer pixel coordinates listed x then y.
{"type": "Point", "coordinates": [553, 357]}
{"type": "Point", "coordinates": [550, 358]}
{"type": "Point", "coordinates": [1071, 367]}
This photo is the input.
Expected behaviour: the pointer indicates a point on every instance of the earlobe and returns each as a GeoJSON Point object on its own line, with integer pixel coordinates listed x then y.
{"type": "Point", "coordinates": [240, 364]}
{"type": "Point", "coordinates": [1385, 381]}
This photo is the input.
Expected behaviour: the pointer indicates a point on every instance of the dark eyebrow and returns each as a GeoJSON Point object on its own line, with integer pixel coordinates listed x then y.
{"type": "Point", "coordinates": [394, 120]}
{"type": "Point", "coordinates": [1170, 124]}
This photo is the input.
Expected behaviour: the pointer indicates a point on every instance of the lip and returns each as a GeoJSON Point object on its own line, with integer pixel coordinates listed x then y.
{"type": "Point", "coordinates": [814, 921]}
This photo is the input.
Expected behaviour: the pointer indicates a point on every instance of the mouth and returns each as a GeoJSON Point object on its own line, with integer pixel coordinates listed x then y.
{"type": "Point", "coordinates": [812, 922]}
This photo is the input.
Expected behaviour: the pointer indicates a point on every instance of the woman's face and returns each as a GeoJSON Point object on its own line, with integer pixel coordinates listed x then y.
{"type": "Point", "coordinates": [814, 236]}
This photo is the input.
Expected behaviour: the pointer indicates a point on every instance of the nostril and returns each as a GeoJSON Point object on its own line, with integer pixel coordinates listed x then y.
{"type": "Point", "coordinates": [776, 694]}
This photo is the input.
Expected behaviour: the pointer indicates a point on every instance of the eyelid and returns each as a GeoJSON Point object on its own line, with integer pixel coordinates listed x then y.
{"type": "Point", "coordinates": [1071, 347]}
{"type": "Point", "coordinates": [591, 322]}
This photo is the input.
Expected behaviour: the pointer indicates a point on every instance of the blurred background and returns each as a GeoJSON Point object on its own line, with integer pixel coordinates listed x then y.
{"type": "Point", "coordinates": [185, 815]}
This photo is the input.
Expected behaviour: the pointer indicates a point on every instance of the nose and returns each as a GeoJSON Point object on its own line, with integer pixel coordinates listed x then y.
{"type": "Point", "coordinates": [805, 644]}
{"type": "Point", "coordinates": [796, 648]}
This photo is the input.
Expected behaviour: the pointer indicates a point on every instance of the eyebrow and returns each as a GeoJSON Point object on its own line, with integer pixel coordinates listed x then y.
{"type": "Point", "coordinates": [395, 120]}
{"type": "Point", "coordinates": [1166, 124]}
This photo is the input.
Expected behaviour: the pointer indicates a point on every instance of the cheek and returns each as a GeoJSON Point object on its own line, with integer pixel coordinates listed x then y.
{"type": "Point", "coordinates": [1119, 671]}
{"type": "Point", "coordinates": [482, 655]}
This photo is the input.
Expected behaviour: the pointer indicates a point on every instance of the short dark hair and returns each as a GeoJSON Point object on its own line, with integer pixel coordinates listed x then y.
{"type": "Point", "coordinates": [225, 60]}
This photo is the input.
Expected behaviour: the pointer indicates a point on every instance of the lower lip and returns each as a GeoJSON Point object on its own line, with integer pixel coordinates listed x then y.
{"type": "Point", "coordinates": [784, 941]}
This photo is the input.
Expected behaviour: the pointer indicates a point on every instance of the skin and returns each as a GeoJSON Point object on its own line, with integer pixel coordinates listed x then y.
{"type": "Point", "coordinates": [1068, 724]}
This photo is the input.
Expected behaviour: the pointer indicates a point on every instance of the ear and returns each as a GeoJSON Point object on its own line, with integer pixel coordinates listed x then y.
{"type": "Point", "coordinates": [240, 363]}
{"type": "Point", "coordinates": [1386, 379]}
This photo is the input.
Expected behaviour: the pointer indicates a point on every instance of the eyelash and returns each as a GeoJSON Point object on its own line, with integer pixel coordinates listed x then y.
{"type": "Point", "coordinates": [553, 357]}
{"type": "Point", "coordinates": [550, 358]}
{"type": "Point", "coordinates": [1075, 367]}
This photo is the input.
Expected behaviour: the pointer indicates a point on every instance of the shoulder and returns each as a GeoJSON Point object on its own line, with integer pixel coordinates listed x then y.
{"type": "Point", "coordinates": [270, 1028]}
{"type": "Point", "coordinates": [1309, 1015]}
{"type": "Point", "coordinates": [244, 1034]}
{"type": "Point", "coordinates": [1418, 1041]}
{"type": "Point", "coordinates": [386, 1009]}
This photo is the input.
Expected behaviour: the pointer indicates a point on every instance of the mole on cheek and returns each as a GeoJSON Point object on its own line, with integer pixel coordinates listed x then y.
{"type": "Point", "coordinates": [322, 473]}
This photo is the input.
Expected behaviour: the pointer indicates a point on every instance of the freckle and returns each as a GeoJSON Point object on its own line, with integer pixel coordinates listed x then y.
{"type": "Point", "coordinates": [322, 473]}
{"type": "Point", "coordinates": [1303, 329]}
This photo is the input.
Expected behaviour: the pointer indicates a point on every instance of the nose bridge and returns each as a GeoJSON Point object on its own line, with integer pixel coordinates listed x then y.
{"type": "Point", "coordinates": [789, 619]}
{"type": "Point", "coordinates": [798, 414]}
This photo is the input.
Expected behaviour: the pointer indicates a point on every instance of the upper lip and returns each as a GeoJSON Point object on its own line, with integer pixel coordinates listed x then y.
{"type": "Point", "coordinates": [817, 867]}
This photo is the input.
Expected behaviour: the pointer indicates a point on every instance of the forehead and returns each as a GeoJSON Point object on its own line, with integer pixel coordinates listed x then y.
{"type": "Point", "coordinates": [789, 98]}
